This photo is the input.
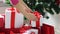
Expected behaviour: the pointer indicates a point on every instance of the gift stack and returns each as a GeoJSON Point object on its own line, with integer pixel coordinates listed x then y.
{"type": "Point", "coordinates": [12, 22]}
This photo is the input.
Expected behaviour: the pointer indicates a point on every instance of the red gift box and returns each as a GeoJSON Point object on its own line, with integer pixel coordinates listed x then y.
{"type": "Point", "coordinates": [36, 23]}
{"type": "Point", "coordinates": [1, 21]}
{"type": "Point", "coordinates": [47, 29]}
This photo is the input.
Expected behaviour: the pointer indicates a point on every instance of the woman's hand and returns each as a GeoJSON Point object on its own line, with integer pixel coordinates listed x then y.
{"type": "Point", "coordinates": [27, 8]}
{"type": "Point", "coordinates": [23, 8]}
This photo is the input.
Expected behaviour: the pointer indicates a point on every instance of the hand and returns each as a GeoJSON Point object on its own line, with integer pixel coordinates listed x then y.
{"type": "Point", "coordinates": [25, 10]}
{"type": "Point", "coordinates": [31, 16]}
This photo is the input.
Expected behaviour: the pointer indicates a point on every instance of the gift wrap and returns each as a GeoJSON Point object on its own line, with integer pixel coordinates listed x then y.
{"type": "Point", "coordinates": [47, 29]}
{"type": "Point", "coordinates": [26, 29]}
{"type": "Point", "coordinates": [11, 32]}
{"type": "Point", "coordinates": [1, 21]}
{"type": "Point", "coordinates": [36, 23]}
{"type": "Point", "coordinates": [13, 19]}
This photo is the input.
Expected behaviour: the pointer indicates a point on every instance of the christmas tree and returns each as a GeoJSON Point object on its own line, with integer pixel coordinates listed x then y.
{"type": "Point", "coordinates": [40, 5]}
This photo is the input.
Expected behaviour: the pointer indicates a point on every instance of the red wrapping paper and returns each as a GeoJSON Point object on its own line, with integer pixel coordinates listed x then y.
{"type": "Point", "coordinates": [11, 32]}
{"type": "Point", "coordinates": [1, 21]}
{"type": "Point", "coordinates": [47, 29]}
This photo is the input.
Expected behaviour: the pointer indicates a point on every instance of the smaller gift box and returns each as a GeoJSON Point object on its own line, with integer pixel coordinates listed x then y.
{"type": "Point", "coordinates": [47, 29]}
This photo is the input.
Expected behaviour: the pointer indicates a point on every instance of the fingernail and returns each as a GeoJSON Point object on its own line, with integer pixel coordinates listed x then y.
{"type": "Point", "coordinates": [14, 2]}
